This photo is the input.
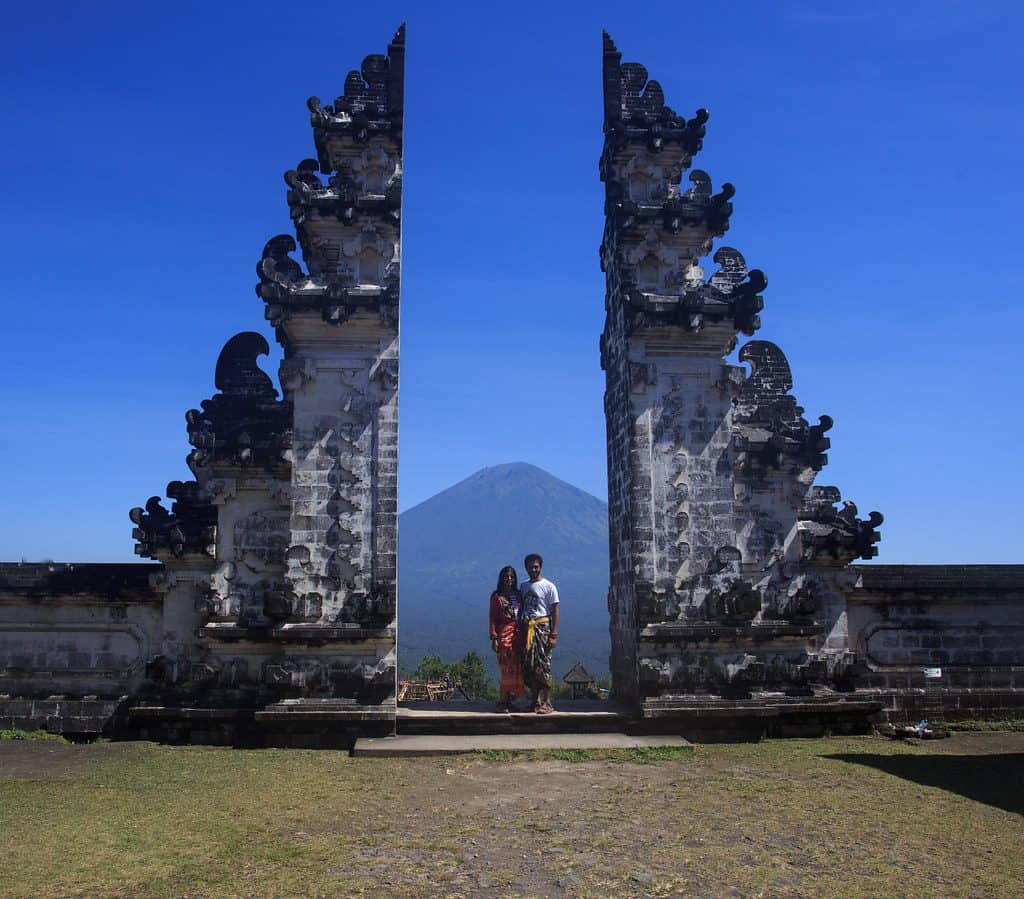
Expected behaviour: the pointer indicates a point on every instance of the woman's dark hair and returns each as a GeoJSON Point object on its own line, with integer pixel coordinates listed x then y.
{"type": "Point", "coordinates": [501, 574]}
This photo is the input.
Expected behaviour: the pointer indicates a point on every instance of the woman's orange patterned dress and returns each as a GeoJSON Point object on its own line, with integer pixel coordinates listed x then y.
{"type": "Point", "coordinates": [506, 624]}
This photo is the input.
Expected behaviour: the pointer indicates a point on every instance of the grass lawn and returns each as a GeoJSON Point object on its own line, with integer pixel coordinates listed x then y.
{"type": "Point", "coordinates": [840, 817]}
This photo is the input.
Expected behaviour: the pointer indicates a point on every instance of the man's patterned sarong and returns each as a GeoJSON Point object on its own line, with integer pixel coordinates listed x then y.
{"type": "Point", "coordinates": [537, 660]}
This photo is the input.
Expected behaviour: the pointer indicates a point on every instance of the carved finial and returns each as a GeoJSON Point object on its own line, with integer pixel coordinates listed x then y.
{"type": "Point", "coordinates": [275, 264]}
{"type": "Point", "coordinates": [634, 102]}
{"type": "Point", "coordinates": [770, 374]}
{"type": "Point", "coordinates": [153, 509]}
{"type": "Point", "coordinates": [375, 70]}
{"type": "Point", "coordinates": [732, 269]}
{"type": "Point", "coordinates": [279, 247]}
{"type": "Point", "coordinates": [396, 80]}
{"type": "Point", "coordinates": [237, 372]}
{"type": "Point", "coordinates": [366, 89]}
{"type": "Point", "coordinates": [634, 77]}
{"type": "Point", "coordinates": [699, 120]}
{"type": "Point", "coordinates": [653, 98]}
{"type": "Point", "coordinates": [701, 187]}
{"type": "Point", "coordinates": [612, 83]}
{"type": "Point", "coordinates": [741, 287]}
{"type": "Point", "coordinates": [304, 176]}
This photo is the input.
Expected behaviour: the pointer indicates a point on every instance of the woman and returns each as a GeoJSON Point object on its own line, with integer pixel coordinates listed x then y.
{"type": "Point", "coordinates": [507, 637]}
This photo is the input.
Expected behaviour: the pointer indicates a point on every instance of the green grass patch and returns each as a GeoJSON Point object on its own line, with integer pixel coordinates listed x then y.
{"type": "Point", "coordinates": [1008, 725]}
{"type": "Point", "coordinates": [842, 817]}
{"type": "Point", "coordinates": [15, 733]}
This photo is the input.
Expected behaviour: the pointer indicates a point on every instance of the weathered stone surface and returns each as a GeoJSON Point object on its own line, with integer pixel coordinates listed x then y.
{"type": "Point", "coordinates": [287, 539]}
{"type": "Point", "coordinates": [726, 561]}
{"type": "Point", "coordinates": [965, 619]}
{"type": "Point", "coordinates": [348, 225]}
{"type": "Point", "coordinates": [339, 327]}
{"type": "Point", "coordinates": [75, 630]}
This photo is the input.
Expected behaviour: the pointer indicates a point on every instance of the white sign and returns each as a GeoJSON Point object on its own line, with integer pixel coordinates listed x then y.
{"type": "Point", "coordinates": [933, 672]}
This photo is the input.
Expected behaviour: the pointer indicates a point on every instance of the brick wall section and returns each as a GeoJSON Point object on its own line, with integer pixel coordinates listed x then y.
{"type": "Point", "coordinates": [74, 638]}
{"type": "Point", "coordinates": [965, 620]}
{"type": "Point", "coordinates": [619, 426]}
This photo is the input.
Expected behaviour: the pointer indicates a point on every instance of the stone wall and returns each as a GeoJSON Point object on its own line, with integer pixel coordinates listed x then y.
{"type": "Point", "coordinates": [77, 628]}
{"type": "Point", "coordinates": [75, 641]}
{"type": "Point", "coordinates": [961, 624]}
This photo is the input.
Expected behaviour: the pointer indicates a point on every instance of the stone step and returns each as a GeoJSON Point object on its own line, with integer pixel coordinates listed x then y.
{"type": "Point", "coordinates": [455, 744]}
{"type": "Point", "coordinates": [580, 716]}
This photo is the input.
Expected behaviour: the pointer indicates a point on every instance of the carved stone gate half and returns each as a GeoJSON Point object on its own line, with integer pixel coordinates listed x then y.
{"type": "Point", "coordinates": [280, 557]}
{"type": "Point", "coordinates": [728, 566]}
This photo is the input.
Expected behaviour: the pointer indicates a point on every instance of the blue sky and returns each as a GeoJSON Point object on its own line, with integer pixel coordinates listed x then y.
{"type": "Point", "coordinates": [875, 148]}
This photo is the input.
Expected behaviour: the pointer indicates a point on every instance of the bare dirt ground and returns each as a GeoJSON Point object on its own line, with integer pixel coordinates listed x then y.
{"type": "Point", "coordinates": [39, 760]}
{"type": "Point", "coordinates": [838, 817]}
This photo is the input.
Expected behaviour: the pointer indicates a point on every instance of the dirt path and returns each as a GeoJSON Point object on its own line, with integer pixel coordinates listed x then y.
{"type": "Point", "coordinates": [731, 821]}
{"type": "Point", "coordinates": [46, 760]}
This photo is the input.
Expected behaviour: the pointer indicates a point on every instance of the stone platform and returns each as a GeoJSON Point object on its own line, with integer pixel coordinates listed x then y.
{"type": "Point", "coordinates": [579, 716]}
{"type": "Point", "coordinates": [706, 719]}
{"type": "Point", "coordinates": [699, 719]}
{"type": "Point", "coordinates": [454, 744]}
{"type": "Point", "coordinates": [338, 723]}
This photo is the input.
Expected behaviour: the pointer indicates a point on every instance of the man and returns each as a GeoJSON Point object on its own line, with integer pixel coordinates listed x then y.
{"type": "Point", "coordinates": [541, 616]}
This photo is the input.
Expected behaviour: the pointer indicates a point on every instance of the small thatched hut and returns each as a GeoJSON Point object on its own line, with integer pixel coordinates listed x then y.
{"type": "Point", "coordinates": [581, 681]}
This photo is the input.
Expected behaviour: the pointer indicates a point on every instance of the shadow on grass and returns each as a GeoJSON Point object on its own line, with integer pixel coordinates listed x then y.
{"type": "Point", "coordinates": [996, 780]}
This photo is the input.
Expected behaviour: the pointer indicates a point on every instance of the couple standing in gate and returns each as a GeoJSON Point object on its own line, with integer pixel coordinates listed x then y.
{"type": "Point", "coordinates": [524, 631]}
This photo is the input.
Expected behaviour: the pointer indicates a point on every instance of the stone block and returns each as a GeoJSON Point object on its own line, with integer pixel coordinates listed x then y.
{"type": "Point", "coordinates": [17, 708]}
{"type": "Point", "coordinates": [998, 677]}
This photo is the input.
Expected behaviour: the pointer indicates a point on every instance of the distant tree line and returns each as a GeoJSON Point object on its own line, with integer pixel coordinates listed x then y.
{"type": "Point", "coordinates": [469, 672]}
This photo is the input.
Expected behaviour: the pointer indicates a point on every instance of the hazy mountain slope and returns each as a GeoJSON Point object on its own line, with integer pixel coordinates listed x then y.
{"type": "Point", "coordinates": [452, 545]}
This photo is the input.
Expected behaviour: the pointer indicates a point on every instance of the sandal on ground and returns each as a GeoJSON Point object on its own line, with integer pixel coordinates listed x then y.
{"type": "Point", "coordinates": [545, 709]}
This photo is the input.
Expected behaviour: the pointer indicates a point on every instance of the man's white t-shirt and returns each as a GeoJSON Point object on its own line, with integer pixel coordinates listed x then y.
{"type": "Point", "coordinates": [539, 597]}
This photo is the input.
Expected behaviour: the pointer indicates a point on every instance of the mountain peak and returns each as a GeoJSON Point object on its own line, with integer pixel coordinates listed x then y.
{"type": "Point", "coordinates": [499, 514]}
{"type": "Point", "coordinates": [518, 482]}
{"type": "Point", "coordinates": [512, 469]}
{"type": "Point", "coordinates": [452, 545]}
